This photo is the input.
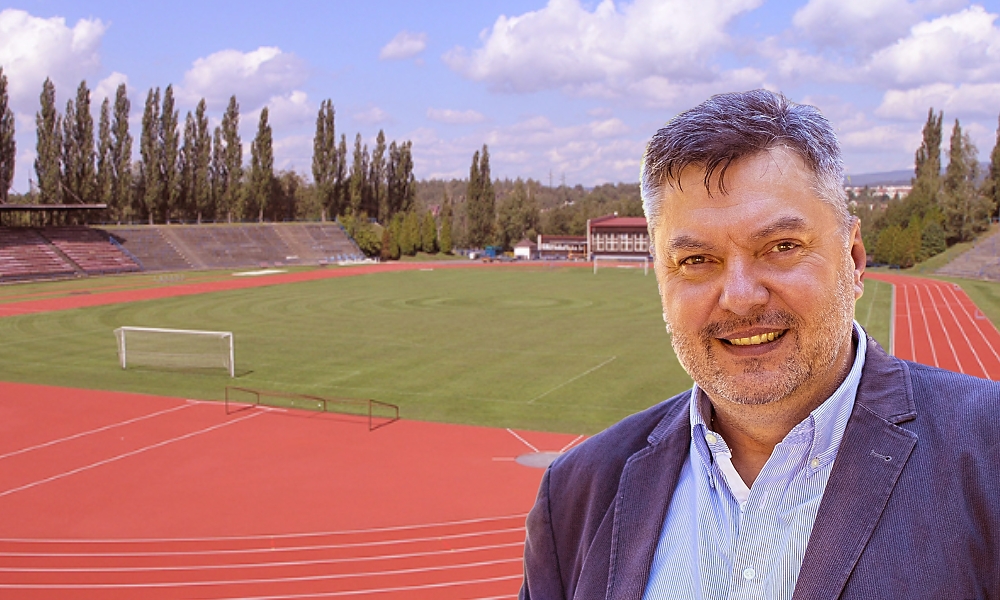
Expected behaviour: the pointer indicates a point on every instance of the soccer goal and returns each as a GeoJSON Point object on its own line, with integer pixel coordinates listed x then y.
{"type": "Point", "coordinates": [622, 262]}
{"type": "Point", "coordinates": [176, 348]}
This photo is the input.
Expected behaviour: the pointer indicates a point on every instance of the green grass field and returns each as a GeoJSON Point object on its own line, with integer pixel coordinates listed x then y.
{"type": "Point", "coordinates": [557, 349]}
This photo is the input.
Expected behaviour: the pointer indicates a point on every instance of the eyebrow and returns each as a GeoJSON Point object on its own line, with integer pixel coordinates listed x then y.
{"type": "Point", "coordinates": [782, 225]}
{"type": "Point", "coordinates": [686, 243]}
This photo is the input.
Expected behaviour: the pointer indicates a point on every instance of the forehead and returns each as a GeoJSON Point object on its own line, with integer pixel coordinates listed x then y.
{"type": "Point", "coordinates": [758, 190]}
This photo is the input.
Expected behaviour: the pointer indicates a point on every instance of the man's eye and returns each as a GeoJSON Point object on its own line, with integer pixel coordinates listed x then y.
{"type": "Point", "coordinates": [693, 260]}
{"type": "Point", "coordinates": [784, 246]}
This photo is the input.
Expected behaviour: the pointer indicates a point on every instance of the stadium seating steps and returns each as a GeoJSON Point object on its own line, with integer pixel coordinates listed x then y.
{"type": "Point", "coordinates": [27, 253]}
{"type": "Point", "coordinates": [982, 261]}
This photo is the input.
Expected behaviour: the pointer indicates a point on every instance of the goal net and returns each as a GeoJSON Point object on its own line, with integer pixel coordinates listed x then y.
{"type": "Point", "coordinates": [186, 349]}
{"type": "Point", "coordinates": [622, 262]}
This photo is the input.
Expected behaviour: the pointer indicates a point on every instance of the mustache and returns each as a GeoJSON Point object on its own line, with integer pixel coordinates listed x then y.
{"type": "Point", "coordinates": [772, 319]}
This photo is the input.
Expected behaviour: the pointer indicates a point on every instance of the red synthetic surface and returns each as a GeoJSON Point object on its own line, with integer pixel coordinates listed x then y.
{"type": "Point", "coordinates": [106, 494]}
{"type": "Point", "coordinates": [937, 324]}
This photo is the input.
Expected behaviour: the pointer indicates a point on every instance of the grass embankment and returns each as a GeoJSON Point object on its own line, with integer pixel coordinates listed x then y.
{"type": "Point", "coordinates": [557, 349]}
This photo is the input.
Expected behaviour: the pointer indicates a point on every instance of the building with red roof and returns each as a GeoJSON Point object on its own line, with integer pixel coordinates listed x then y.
{"type": "Point", "coordinates": [615, 236]}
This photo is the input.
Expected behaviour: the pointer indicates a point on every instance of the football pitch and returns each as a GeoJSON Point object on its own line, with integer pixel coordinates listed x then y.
{"type": "Point", "coordinates": [553, 349]}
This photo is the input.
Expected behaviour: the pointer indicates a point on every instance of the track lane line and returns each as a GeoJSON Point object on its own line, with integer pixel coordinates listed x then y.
{"type": "Point", "coordinates": [975, 322]}
{"type": "Point", "coordinates": [124, 455]}
{"type": "Point", "coordinates": [961, 330]}
{"type": "Point", "coordinates": [927, 330]}
{"type": "Point", "coordinates": [944, 330]}
{"type": "Point", "coordinates": [386, 590]}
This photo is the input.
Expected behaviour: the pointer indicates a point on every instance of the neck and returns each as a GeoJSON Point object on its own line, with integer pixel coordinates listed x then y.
{"type": "Point", "coordinates": [753, 430]}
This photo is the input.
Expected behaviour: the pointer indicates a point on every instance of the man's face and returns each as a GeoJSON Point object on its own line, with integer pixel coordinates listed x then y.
{"type": "Point", "coordinates": [758, 284]}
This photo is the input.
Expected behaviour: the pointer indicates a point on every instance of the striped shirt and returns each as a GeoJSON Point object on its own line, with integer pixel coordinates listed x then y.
{"type": "Point", "coordinates": [722, 540]}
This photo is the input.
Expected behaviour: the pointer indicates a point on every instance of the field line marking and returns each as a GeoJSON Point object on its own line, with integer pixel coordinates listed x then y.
{"type": "Point", "coordinates": [269, 564]}
{"type": "Point", "coordinates": [125, 455]}
{"type": "Point", "coordinates": [961, 330]}
{"type": "Point", "coordinates": [268, 549]}
{"type": "Point", "coordinates": [522, 440]}
{"type": "Point", "coordinates": [401, 588]}
{"type": "Point", "coordinates": [264, 537]}
{"type": "Point", "coordinates": [571, 380]}
{"type": "Point", "coordinates": [257, 580]}
{"type": "Point", "coordinates": [927, 330]}
{"type": "Point", "coordinates": [570, 445]}
{"type": "Point", "coordinates": [909, 322]}
{"type": "Point", "coordinates": [92, 431]}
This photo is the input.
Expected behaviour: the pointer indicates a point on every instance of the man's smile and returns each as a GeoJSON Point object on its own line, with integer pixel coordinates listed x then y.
{"type": "Point", "coordinates": [756, 339]}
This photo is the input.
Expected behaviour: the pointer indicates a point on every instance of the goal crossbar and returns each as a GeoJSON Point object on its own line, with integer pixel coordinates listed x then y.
{"type": "Point", "coordinates": [122, 336]}
{"type": "Point", "coordinates": [611, 258]}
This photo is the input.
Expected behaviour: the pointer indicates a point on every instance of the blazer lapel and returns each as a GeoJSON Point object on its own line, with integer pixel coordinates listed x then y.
{"type": "Point", "coordinates": [644, 492]}
{"type": "Point", "coordinates": [870, 459]}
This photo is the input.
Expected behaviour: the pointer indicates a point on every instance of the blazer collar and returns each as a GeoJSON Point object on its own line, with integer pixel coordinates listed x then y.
{"type": "Point", "coordinates": [868, 465]}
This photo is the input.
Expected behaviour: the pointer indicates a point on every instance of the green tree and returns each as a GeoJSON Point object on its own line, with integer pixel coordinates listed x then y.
{"type": "Point", "coordinates": [121, 157]}
{"type": "Point", "coordinates": [218, 176]}
{"type": "Point", "coordinates": [232, 192]}
{"type": "Point", "coordinates": [187, 166]}
{"type": "Point", "coordinates": [8, 147]}
{"type": "Point", "coordinates": [886, 248]}
{"type": "Point", "coordinates": [517, 216]}
{"type": "Point", "coordinates": [358, 175]}
{"type": "Point", "coordinates": [480, 200]}
{"type": "Point", "coordinates": [261, 167]}
{"type": "Point", "coordinates": [201, 186]}
{"type": "Point", "coordinates": [376, 179]}
{"type": "Point", "coordinates": [341, 181]}
{"type": "Point", "coordinates": [965, 211]}
{"type": "Point", "coordinates": [363, 233]}
{"type": "Point", "coordinates": [168, 147]}
{"type": "Point", "coordinates": [396, 236]}
{"type": "Point", "coordinates": [428, 234]}
{"type": "Point", "coordinates": [105, 159]}
{"type": "Point", "coordinates": [409, 238]}
{"type": "Point", "coordinates": [991, 185]}
{"type": "Point", "coordinates": [927, 164]}
{"type": "Point", "coordinates": [325, 157]}
{"type": "Point", "coordinates": [48, 128]}
{"type": "Point", "coordinates": [446, 219]}
{"type": "Point", "coordinates": [150, 173]}
{"type": "Point", "coordinates": [79, 174]}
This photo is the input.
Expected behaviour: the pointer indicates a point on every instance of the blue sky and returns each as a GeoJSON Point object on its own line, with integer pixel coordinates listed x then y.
{"type": "Point", "coordinates": [565, 88]}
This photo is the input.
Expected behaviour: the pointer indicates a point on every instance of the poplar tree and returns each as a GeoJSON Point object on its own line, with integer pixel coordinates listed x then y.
{"type": "Point", "coordinates": [376, 177]}
{"type": "Point", "coordinates": [357, 182]}
{"type": "Point", "coordinates": [105, 169]}
{"type": "Point", "coordinates": [261, 167]}
{"type": "Point", "coordinates": [121, 156]}
{"type": "Point", "coordinates": [481, 200]}
{"type": "Point", "coordinates": [79, 175]}
{"type": "Point", "coordinates": [991, 185]}
{"type": "Point", "coordinates": [217, 172]}
{"type": "Point", "coordinates": [8, 147]}
{"type": "Point", "coordinates": [325, 159]}
{"type": "Point", "coordinates": [428, 234]}
{"type": "Point", "coordinates": [341, 180]}
{"type": "Point", "coordinates": [232, 199]}
{"type": "Point", "coordinates": [168, 147]}
{"type": "Point", "coordinates": [187, 160]}
{"type": "Point", "coordinates": [445, 239]}
{"type": "Point", "coordinates": [48, 128]}
{"type": "Point", "coordinates": [201, 191]}
{"type": "Point", "coordinates": [150, 174]}
{"type": "Point", "coordinates": [927, 164]}
{"type": "Point", "coordinates": [965, 211]}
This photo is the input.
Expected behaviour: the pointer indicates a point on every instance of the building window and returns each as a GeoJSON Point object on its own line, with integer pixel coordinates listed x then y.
{"type": "Point", "coordinates": [627, 242]}
{"type": "Point", "coordinates": [642, 244]}
{"type": "Point", "coordinates": [599, 239]}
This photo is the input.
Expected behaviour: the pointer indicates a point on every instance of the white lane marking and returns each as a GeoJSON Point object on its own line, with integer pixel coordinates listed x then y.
{"type": "Point", "coordinates": [951, 346]}
{"type": "Point", "coordinates": [570, 445]}
{"type": "Point", "coordinates": [402, 588]}
{"type": "Point", "coordinates": [975, 321]}
{"type": "Point", "coordinates": [927, 330]}
{"type": "Point", "coordinates": [257, 565]}
{"type": "Point", "coordinates": [522, 440]}
{"type": "Point", "coordinates": [961, 330]}
{"type": "Point", "coordinates": [571, 380]}
{"type": "Point", "coordinates": [253, 581]}
{"type": "Point", "coordinates": [92, 431]}
{"type": "Point", "coordinates": [264, 537]}
{"type": "Point", "coordinates": [125, 455]}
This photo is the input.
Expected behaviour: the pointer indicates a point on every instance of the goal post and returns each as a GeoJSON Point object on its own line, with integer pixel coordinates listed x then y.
{"type": "Point", "coordinates": [623, 262]}
{"type": "Point", "coordinates": [176, 348]}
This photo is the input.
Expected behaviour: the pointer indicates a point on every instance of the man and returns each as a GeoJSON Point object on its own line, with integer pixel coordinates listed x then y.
{"type": "Point", "coordinates": [805, 462]}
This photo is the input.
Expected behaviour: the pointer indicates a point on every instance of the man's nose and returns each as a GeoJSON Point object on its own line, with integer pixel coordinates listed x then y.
{"type": "Point", "coordinates": [742, 288]}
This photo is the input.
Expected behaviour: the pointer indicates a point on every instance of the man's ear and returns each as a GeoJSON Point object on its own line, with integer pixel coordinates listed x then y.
{"type": "Point", "coordinates": [859, 257]}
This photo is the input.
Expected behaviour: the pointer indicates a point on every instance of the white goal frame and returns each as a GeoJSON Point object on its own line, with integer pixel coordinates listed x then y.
{"type": "Point", "coordinates": [620, 258]}
{"type": "Point", "coordinates": [122, 338]}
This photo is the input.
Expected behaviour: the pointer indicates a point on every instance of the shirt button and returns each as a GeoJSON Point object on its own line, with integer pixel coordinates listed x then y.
{"type": "Point", "coordinates": [711, 439]}
{"type": "Point", "coordinates": [749, 573]}
{"type": "Point", "coordinates": [815, 463]}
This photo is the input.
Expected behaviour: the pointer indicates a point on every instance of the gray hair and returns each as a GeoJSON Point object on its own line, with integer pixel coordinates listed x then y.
{"type": "Point", "coordinates": [729, 127]}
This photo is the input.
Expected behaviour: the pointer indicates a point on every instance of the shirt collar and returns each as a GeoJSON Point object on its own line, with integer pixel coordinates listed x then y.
{"type": "Point", "coordinates": [823, 429]}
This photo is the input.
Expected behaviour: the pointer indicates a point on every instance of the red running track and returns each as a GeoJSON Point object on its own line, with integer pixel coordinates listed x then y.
{"type": "Point", "coordinates": [113, 495]}
{"type": "Point", "coordinates": [936, 324]}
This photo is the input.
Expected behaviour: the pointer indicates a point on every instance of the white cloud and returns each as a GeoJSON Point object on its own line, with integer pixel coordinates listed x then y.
{"type": "Point", "coordinates": [254, 77]}
{"type": "Point", "coordinates": [108, 88]}
{"type": "Point", "coordinates": [291, 110]}
{"type": "Point", "coordinates": [864, 25]}
{"type": "Point", "coordinates": [565, 46]}
{"type": "Point", "coordinates": [404, 45]}
{"type": "Point", "coordinates": [32, 48]}
{"type": "Point", "coordinates": [372, 116]}
{"type": "Point", "coordinates": [976, 99]}
{"type": "Point", "coordinates": [455, 117]}
{"type": "Point", "coordinates": [960, 47]}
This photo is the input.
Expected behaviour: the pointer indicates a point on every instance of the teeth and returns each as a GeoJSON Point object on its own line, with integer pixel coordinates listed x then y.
{"type": "Point", "coordinates": [756, 340]}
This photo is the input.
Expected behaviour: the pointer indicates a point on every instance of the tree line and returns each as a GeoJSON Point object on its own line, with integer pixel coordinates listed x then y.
{"type": "Point", "coordinates": [941, 209]}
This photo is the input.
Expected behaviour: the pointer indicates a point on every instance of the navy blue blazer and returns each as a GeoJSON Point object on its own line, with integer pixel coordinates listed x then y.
{"type": "Point", "coordinates": [911, 510]}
